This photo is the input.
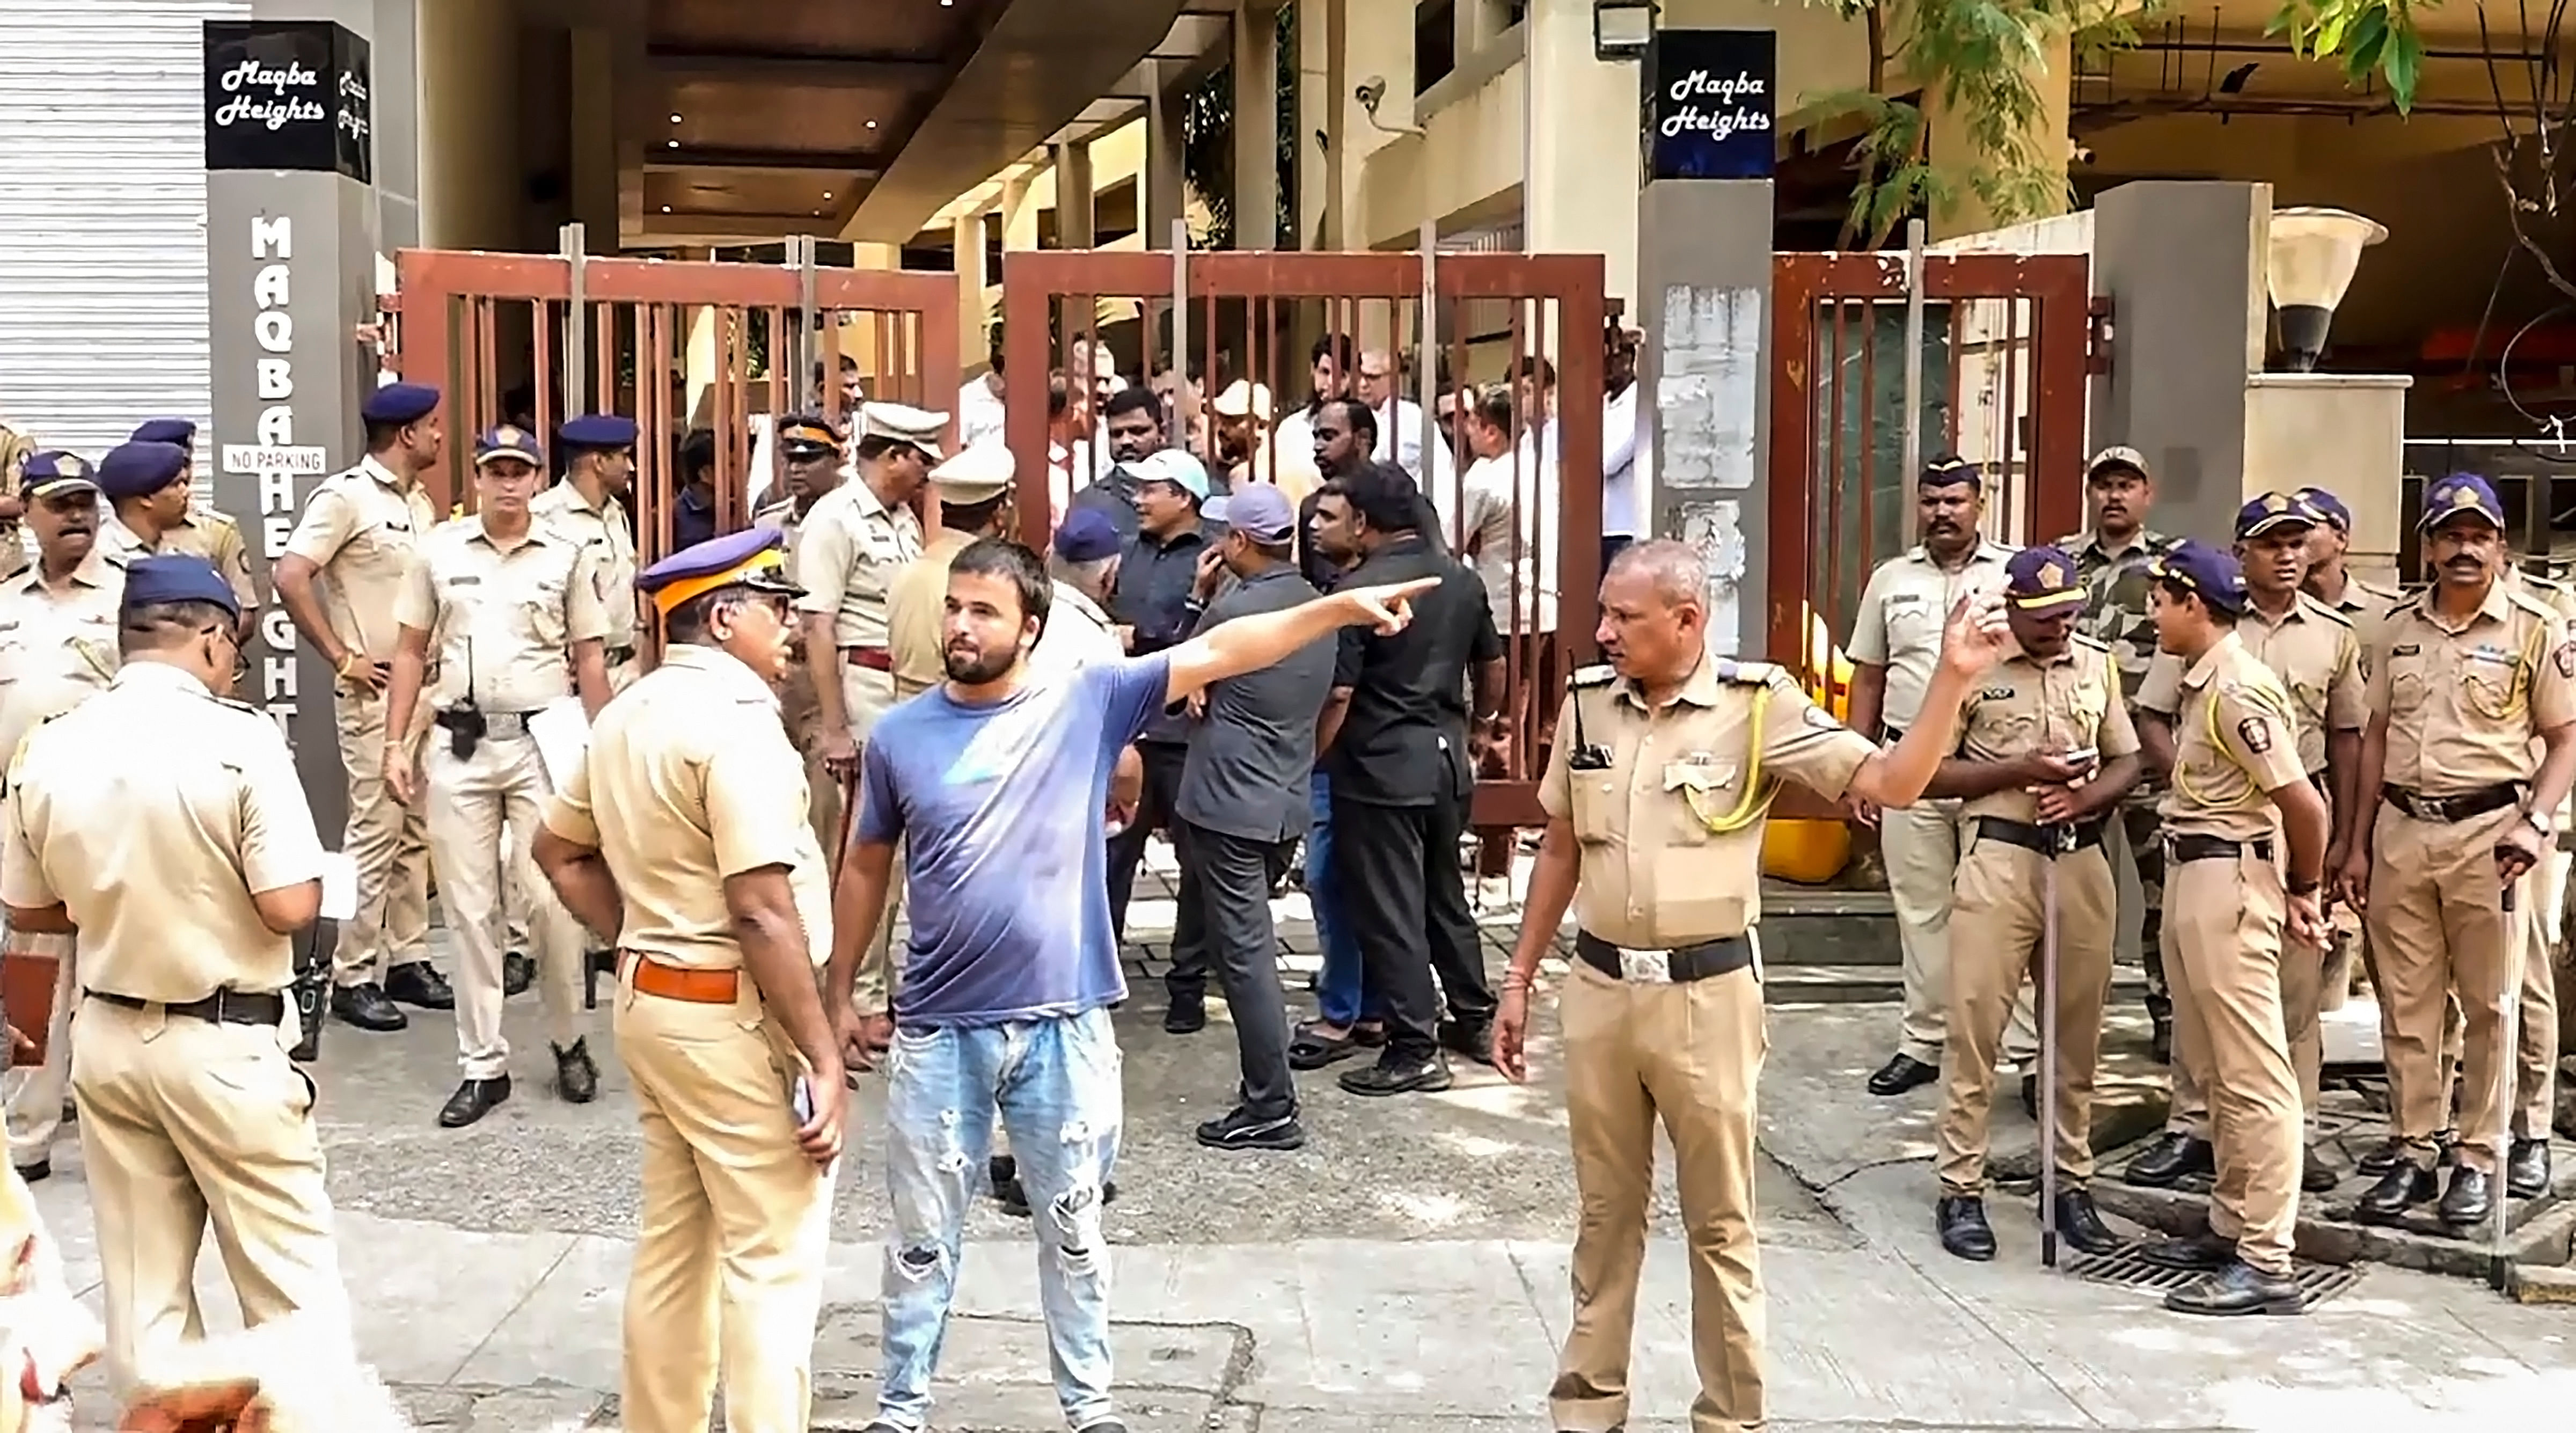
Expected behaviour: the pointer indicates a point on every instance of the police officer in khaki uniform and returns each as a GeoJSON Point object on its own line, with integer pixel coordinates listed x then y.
{"type": "Point", "coordinates": [2535, 1101]}
{"type": "Point", "coordinates": [1655, 792]}
{"type": "Point", "coordinates": [2470, 682]}
{"type": "Point", "coordinates": [1895, 643]}
{"type": "Point", "coordinates": [357, 535]}
{"type": "Point", "coordinates": [679, 831]}
{"type": "Point", "coordinates": [57, 649]}
{"type": "Point", "coordinates": [974, 489]}
{"type": "Point", "coordinates": [590, 505]}
{"type": "Point", "coordinates": [2231, 906]}
{"type": "Point", "coordinates": [2313, 650]}
{"type": "Point", "coordinates": [501, 617]}
{"type": "Point", "coordinates": [190, 1112]}
{"type": "Point", "coordinates": [187, 528]}
{"type": "Point", "coordinates": [810, 450]}
{"type": "Point", "coordinates": [2045, 756]}
{"type": "Point", "coordinates": [146, 487]}
{"type": "Point", "coordinates": [849, 549]}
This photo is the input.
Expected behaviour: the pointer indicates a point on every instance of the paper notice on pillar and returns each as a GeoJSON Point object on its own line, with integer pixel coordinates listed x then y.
{"type": "Point", "coordinates": [1708, 387]}
{"type": "Point", "coordinates": [562, 735]}
{"type": "Point", "coordinates": [339, 886]}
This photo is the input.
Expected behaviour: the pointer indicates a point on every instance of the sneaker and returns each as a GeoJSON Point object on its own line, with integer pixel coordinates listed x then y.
{"type": "Point", "coordinates": [1240, 1128]}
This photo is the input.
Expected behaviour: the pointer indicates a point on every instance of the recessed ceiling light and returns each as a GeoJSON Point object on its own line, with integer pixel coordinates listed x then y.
{"type": "Point", "coordinates": [872, 124]}
{"type": "Point", "coordinates": [666, 208]}
{"type": "Point", "coordinates": [675, 119]}
{"type": "Point", "coordinates": [827, 193]}
{"type": "Point", "coordinates": [671, 143]}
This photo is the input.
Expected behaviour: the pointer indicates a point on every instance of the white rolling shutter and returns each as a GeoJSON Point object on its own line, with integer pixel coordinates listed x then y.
{"type": "Point", "coordinates": [103, 217]}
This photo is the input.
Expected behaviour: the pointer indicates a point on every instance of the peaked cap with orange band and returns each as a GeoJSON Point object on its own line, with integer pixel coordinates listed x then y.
{"type": "Point", "coordinates": [756, 559]}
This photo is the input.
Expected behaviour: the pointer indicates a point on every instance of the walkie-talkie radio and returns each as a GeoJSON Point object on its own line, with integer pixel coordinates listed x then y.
{"type": "Point", "coordinates": [465, 723]}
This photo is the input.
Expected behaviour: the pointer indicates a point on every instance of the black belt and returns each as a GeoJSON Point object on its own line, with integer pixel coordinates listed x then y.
{"type": "Point", "coordinates": [1678, 967]}
{"type": "Point", "coordinates": [1890, 733]}
{"type": "Point", "coordinates": [2458, 806]}
{"type": "Point", "coordinates": [2046, 840]}
{"type": "Point", "coordinates": [2214, 848]}
{"type": "Point", "coordinates": [224, 1007]}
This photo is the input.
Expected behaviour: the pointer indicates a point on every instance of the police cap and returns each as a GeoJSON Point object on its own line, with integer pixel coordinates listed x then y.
{"type": "Point", "coordinates": [177, 577]}
{"type": "Point", "coordinates": [2273, 511]}
{"type": "Point", "coordinates": [1086, 536]}
{"type": "Point", "coordinates": [2329, 509]}
{"type": "Point", "coordinates": [808, 436]}
{"type": "Point", "coordinates": [2204, 572]}
{"type": "Point", "coordinates": [134, 470]}
{"type": "Point", "coordinates": [1945, 472]}
{"type": "Point", "coordinates": [604, 431]}
{"type": "Point", "coordinates": [903, 423]}
{"type": "Point", "coordinates": [508, 441]}
{"type": "Point", "coordinates": [2040, 579]}
{"type": "Point", "coordinates": [979, 473]}
{"type": "Point", "coordinates": [181, 431]}
{"type": "Point", "coordinates": [54, 471]}
{"type": "Point", "coordinates": [755, 558]}
{"type": "Point", "coordinates": [2457, 494]}
{"type": "Point", "coordinates": [399, 403]}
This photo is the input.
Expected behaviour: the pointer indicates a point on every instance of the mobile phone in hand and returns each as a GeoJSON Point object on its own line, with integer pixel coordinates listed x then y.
{"type": "Point", "coordinates": [800, 1101]}
{"type": "Point", "coordinates": [2082, 756]}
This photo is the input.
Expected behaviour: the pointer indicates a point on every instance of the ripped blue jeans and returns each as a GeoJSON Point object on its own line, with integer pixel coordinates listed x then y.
{"type": "Point", "coordinates": [1055, 1084]}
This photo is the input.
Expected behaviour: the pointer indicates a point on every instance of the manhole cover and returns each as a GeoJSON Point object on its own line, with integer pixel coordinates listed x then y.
{"type": "Point", "coordinates": [2129, 1269]}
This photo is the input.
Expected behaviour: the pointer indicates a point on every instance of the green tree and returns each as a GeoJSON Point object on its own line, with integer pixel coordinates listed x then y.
{"type": "Point", "coordinates": [2365, 37]}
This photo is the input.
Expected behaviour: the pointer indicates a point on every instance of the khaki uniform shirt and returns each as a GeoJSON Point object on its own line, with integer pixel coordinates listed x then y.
{"type": "Point", "coordinates": [152, 812]}
{"type": "Point", "coordinates": [502, 621]}
{"type": "Point", "coordinates": [916, 609]}
{"type": "Point", "coordinates": [1077, 634]}
{"type": "Point", "coordinates": [1653, 877]}
{"type": "Point", "coordinates": [2314, 652]}
{"type": "Point", "coordinates": [612, 567]}
{"type": "Point", "coordinates": [2233, 742]}
{"type": "Point", "coordinates": [2366, 606]}
{"type": "Point", "coordinates": [2028, 704]}
{"type": "Point", "coordinates": [2464, 703]}
{"type": "Point", "coordinates": [1902, 613]}
{"type": "Point", "coordinates": [212, 536]}
{"type": "Point", "coordinates": [360, 529]}
{"type": "Point", "coordinates": [57, 648]}
{"type": "Point", "coordinates": [798, 707]}
{"type": "Point", "coordinates": [689, 779]}
{"type": "Point", "coordinates": [848, 550]}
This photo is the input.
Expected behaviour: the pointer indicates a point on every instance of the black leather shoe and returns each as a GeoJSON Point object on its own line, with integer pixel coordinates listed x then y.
{"type": "Point", "coordinates": [1901, 1074]}
{"type": "Point", "coordinates": [2387, 1155]}
{"type": "Point", "coordinates": [2316, 1176]}
{"type": "Point", "coordinates": [2030, 1094]}
{"type": "Point", "coordinates": [2469, 1200]}
{"type": "Point", "coordinates": [1473, 1039]}
{"type": "Point", "coordinates": [2238, 1289]}
{"type": "Point", "coordinates": [1964, 1231]}
{"type": "Point", "coordinates": [2526, 1169]}
{"type": "Point", "coordinates": [2397, 1191]}
{"type": "Point", "coordinates": [2204, 1251]}
{"type": "Point", "coordinates": [576, 1074]}
{"type": "Point", "coordinates": [2160, 1040]}
{"type": "Point", "coordinates": [419, 985]}
{"type": "Point", "coordinates": [37, 1172]}
{"type": "Point", "coordinates": [518, 972]}
{"type": "Point", "coordinates": [366, 1007]}
{"type": "Point", "coordinates": [1007, 1192]}
{"type": "Point", "coordinates": [472, 1101]}
{"type": "Point", "coordinates": [1185, 1017]}
{"type": "Point", "coordinates": [2167, 1160]}
{"type": "Point", "coordinates": [1398, 1077]}
{"type": "Point", "coordinates": [2079, 1223]}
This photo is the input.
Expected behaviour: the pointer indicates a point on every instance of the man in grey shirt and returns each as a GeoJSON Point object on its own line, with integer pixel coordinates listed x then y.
{"type": "Point", "coordinates": [1243, 799]}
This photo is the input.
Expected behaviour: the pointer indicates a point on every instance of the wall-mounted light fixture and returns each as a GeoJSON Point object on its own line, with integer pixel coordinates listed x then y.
{"type": "Point", "coordinates": [1622, 29]}
{"type": "Point", "coordinates": [2313, 254]}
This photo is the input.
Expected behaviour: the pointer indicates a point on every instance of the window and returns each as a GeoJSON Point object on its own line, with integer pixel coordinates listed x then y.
{"type": "Point", "coordinates": [1435, 42]}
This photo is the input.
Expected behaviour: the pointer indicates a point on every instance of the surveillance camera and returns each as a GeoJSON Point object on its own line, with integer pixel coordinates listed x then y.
{"type": "Point", "coordinates": [1371, 90]}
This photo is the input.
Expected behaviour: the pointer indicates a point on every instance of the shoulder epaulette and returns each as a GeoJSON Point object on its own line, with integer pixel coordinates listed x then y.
{"type": "Point", "coordinates": [2315, 608]}
{"type": "Point", "coordinates": [2531, 601]}
{"type": "Point", "coordinates": [1751, 674]}
{"type": "Point", "coordinates": [1596, 676]}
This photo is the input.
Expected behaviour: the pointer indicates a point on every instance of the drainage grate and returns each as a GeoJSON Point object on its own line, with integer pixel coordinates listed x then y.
{"type": "Point", "coordinates": [2129, 1269]}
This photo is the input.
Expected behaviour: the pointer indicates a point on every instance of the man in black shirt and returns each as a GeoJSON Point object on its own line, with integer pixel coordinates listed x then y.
{"type": "Point", "coordinates": [1151, 603]}
{"type": "Point", "coordinates": [1402, 779]}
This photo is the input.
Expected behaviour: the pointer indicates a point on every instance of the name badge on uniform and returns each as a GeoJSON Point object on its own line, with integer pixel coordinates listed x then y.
{"type": "Point", "coordinates": [1995, 694]}
{"type": "Point", "coordinates": [2491, 654]}
{"type": "Point", "coordinates": [2409, 650]}
{"type": "Point", "coordinates": [2567, 658]}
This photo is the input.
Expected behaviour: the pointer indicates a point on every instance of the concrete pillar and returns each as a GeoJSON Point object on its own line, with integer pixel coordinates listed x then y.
{"type": "Point", "coordinates": [1955, 148]}
{"type": "Point", "coordinates": [470, 184]}
{"type": "Point", "coordinates": [594, 138]}
{"type": "Point", "coordinates": [1580, 196]}
{"type": "Point", "coordinates": [1076, 223]}
{"type": "Point", "coordinates": [1166, 197]}
{"type": "Point", "coordinates": [1019, 213]}
{"type": "Point", "coordinates": [973, 322]}
{"type": "Point", "coordinates": [1256, 124]}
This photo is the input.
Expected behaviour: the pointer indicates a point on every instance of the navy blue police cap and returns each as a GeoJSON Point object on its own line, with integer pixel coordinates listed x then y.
{"type": "Point", "coordinates": [181, 431]}
{"type": "Point", "coordinates": [509, 441]}
{"type": "Point", "coordinates": [804, 435]}
{"type": "Point", "coordinates": [1946, 471]}
{"type": "Point", "coordinates": [134, 470]}
{"type": "Point", "coordinates": [2205, 572]}
{"type": "Point", "coordinates": [2457, 494]}
{"type": "Point", "coordinates": [54, 471]}
{"type": "Point", "coordinates": [2274, 510]}
{"type": "Point", "coordinates": [2328, 508]}
{"type": "Point", "coordinates": [399, 403]}
{"type": "Point", "coordinates": [177, 577]}
{"type": "Point", "coordinates": [2042, 579]}
{"type": "Point", "coordinates": [1086, 536]}
{"type": "Point", "coordinates": [605, 431]}
{"type": "Point", "coordinates": [755, 558]}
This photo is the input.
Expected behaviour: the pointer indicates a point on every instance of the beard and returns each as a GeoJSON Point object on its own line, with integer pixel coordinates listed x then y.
{"type": "Point", "coordinates": [975, 669]}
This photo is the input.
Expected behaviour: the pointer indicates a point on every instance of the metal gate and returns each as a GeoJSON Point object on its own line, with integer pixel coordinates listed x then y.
{"type": "Point", "coordinates": [538, 338]}
{"type": "Point", "coordinates": [2007, 345]}
{"type": "Point", "coordinates": [1433, 324]}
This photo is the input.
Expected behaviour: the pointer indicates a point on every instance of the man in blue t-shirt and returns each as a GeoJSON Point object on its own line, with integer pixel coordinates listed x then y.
{"type": "Point", "coordinates": [996, 783]}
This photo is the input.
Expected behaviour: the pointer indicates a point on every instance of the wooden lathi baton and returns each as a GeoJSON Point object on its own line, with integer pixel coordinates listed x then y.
{"type": "Point", "coordinates": [31, 965]}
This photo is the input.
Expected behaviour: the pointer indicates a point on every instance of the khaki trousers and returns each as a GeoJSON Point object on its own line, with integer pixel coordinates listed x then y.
{"type": "Point", "coordinates": [186, 1123]}
{"type": "Point", "coordinates": [390, 846]}
{"type": "Point", "coordinates": [472, 804]}
{"type": "Point", "coordinates": [35, 1107]}
{"type": "Point", "coordinates": [736, 1221]}
{"type": "Point", "coordinates": [1692, 1054]}
{"type": "Point", "coordinates": [866, 695]}
{"type": "Point", "coordinates": [2536, 1023]}
{"type": "Point", "coordinates": [2440, 933]}
{"type": "Point", "coordinates": [2302, 1001]}
{"type": "Point", "coordinates": [1922, 844]}
{"type": "Point", "coordinates": [2226, 917]}
{"type": "Point", "coordinates": [1997, 926]}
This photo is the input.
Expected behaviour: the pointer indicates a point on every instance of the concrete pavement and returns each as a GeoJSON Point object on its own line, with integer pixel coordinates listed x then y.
{"type": "Point", "coordinates": [1406, 1271]}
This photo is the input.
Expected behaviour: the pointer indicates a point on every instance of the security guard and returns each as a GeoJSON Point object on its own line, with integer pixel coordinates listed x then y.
{"type": "Point", "coordinates": [1655, 793]}
{"type": "Point", "coordinates": [2312, 649]}
{"type": "Point", "coordinates": [2471, 681]}
{"type": "Point", "coordinates": [590, 504]}
{"type": "Point", "coordinates": [974, 489]}
{"type": "Point", "coordinates": [2111, 559]}
{"type": "Point", "coordinates": [2535, 1101]}
{"type": "Point", "coordinates": [849, 549]}
{"type": "Point", "coordinates": [1896, 641]}
{"type": "Point", "coordinates": [2231, 907]}
{"type": "Point", "coordinates": [186, 528]}
{"type": "Point", "coordinates": [678, 830]}
{"type": "Point", "coordinates": [190, 1112]}
{"type": "Point", "coordinates": [358, 531]}
{"type": "Point", "coordinates": [809, 448]}
{"type": "Point", "coordinates": [57, 649]}
{"type": "Point", "coordinates": [2045, 756]}
{"type": "Point", "coordinates": [501, 617]}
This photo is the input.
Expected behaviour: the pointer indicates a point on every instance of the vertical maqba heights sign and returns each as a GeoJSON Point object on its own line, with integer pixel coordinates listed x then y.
{"type": "Point", "coordinates": [291, 262]}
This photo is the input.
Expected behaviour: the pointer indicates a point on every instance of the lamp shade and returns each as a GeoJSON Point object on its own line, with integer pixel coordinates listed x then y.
{"type": "Point", "coordinates": [2313, 255]}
